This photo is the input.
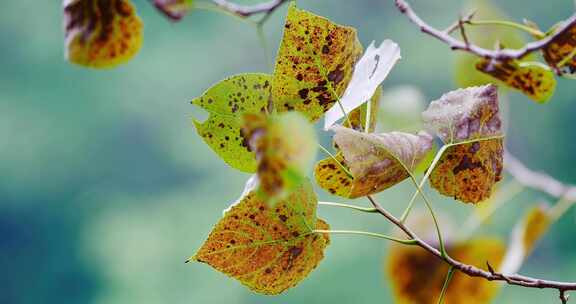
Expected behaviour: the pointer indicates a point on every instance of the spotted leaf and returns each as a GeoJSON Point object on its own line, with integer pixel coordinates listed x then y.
{"type": "Point", "coordinates": [174, 9]}
{"type": "Point", "coordinates": [379, 161]}
{"type": "Point", "coordinates": [101, 33]}
{"type": "Point", "coordinates": [524, 237]}
{"type": "Point", "coordinates": [332, 177]}
{"type": "Point", "coordinates": [469, 120]}
{"type": "Point", "coordinates": [561, 52]}
{"type": "Point", "coordinates": [418, 277]}
{"type": "Point", "coordinates": [227, 102]}
{"type": "Point", "coordinates": [369, 72]}
{"type": "Point", "coordinates": [285, 147]}
{"type": "Point", "coordinates": [268, 249]}
{"type": "Point", "coordinates": [531, 78]}
{"type": "Point", "coordinates": [314, 63]}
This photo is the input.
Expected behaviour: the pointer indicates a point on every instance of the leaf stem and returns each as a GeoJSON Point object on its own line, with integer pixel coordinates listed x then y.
{"type": "Point", "coordinates": [532, 31]}
{"type": "Point", "coordinates": [561, 206]}
{"type": "Point", "coordinates": [370, 234]}
{"type": "Point", "coordinates": [350, 206]}
{"type": "Point", "coordinates": [336, 160]}
{"type": "Point", "coordinates": [446, 283]}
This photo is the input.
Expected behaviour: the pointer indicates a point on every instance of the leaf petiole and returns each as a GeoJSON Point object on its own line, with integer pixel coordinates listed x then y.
{"type": "Point", "coordinates": [446, 283]}
{"type": "Point", "coordinates": [350, 206]}
{"type": "Point", "coordinates": [370, 234]}
{"type": "Point", "coordinates": [532, 31]}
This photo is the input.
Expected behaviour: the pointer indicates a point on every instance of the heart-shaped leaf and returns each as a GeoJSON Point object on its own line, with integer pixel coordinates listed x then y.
{"type": "Point", "coordinates": [268, 249]}
{"type": "Point", "coordinates": [376, 161]}
{"type": "Point", "coordinates": [314, 63]}
{"type": "Point", "coordinates": [285, 147]}
{"type": "Point", "coordinates": [524, 237]}
{"type": "Point", "coordinates": [369, 72]}
{"type": "Point", "coordinates": [534, 79]}
{"type": "Point", "coordinates": [469, 120]}
{"type": "Point", "coordinates": [227, 102]}
{"type": "Point", "coordinates": [101, 33]}
{"type": "Point", "coordinates": [418, 277]}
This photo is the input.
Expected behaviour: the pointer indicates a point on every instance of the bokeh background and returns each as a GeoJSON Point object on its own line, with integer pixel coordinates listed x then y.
{"type": "Point", "coordinates": [105, 188]}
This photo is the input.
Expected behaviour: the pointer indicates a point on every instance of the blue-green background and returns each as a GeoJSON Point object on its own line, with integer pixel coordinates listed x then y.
{"type": "Point", "coordinates": [105, 188]}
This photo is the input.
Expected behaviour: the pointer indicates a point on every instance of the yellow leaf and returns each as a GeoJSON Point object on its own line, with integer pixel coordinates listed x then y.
{"type": "Point", "coordinates": [469, 120]}
{"type": "Point", "coordinates": [531, 78]}
{"type": "Point", "coordinates": [268, 249]}
{"type": "Point", "coordinates": [101, 33]}
{"type": "Point", "coordinates": [524, 237]}
{"type": "Point", "coordinates": [376, 161]}
{"type": "Point", "coordinates": [314, 64]}
{"type": "Point", "coordinates": [562, 49]}
{"type": "Point", "coordinates": [331, 177]}
{"type": "Point", "coordinates": [418, 277]}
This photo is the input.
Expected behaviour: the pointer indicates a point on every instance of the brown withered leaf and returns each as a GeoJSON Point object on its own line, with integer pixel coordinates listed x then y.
{"type": "Point", "coordinates": [535, 80]}
{"type": "Point", "coordinates": [285, 147]}
{"type": "Point", "coordinates": [525, 236]}
{"type": "Point", "coordinates": [418, 277]}
{"type": "Point", "coordinates": [379, 161]}
{"type": "Point", "coordinates": [101, 33]}
{"type": "Point", "coordinates": [469, 120]}
{"type": "Point", "coordinates": [268, 249]}
{"type": "Point", "coordinates": [562, 47]}
{"type": "Point", "coordinates": [315, 56]}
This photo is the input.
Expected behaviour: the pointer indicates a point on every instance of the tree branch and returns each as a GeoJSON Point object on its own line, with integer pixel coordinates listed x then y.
{"type": "Point", "coordinates": [266, 8]}
{"type": "Point", "coordinates": [491, 275]}
{"type": "Point", "coordinates": [537, 180]}
{"type": "Point", "coordinates": [498, 54]}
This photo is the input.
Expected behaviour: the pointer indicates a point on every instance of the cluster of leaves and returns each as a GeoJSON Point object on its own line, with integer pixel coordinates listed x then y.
{"type": "Point", "coordinates": [534, 79]}
{"type": "Point", "coordinates": [270, 239]}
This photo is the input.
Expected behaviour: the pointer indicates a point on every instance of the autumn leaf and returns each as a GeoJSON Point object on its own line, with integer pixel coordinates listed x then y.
{"type": "Point", "coordinates": [268, 249]}
{"type": "Point", "coordinates": [314, 63]}
{"type": "Point", "coordinates": [418, 277]}
{"type": "Point", "coordinates": [101, 33]}
{"type": "Point", "coordinates": [376, 161]}
{"type": "Point", "coordinates": [174, 9]}
{"type": "Point", "coordinates": [560, 54]}
{"type": "Point", "coordinates": [531, 78]}
{"type": "Point", "coordinates": [369, 72]}
{"type": "Point", "coordinates": [468, 120]}
{"type": "Point", "coordinates": [285, 147]}
{"type": "Point", "coordinates": [465, 73]}
{"type": "Point", "coordinates": [227, 102]}
{"type": "Point", "coordinates": [332, 175]}
{"type": "Point", "coordinates": [524, 237]}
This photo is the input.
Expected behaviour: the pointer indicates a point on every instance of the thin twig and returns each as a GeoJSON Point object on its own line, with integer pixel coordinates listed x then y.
{"type": "Point", "coordinates": [537, 180]}
{"type": "Point", "coordinates": [266, 8]}
{"type": "Point", "coordinates": [498, 54]}
{"type": "Point", "coordinates": [473, 271]}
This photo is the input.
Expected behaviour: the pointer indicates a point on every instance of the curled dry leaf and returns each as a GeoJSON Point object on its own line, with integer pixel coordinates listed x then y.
{"type": "Point", "coordinates": [227, 102]}
{"type": "Point", "coordinates": [285, 147]}
{"type": "Point", "coordinates": [314, 63]}
{"type": "Point", "coordinates": [535, 80]}
{"type": "Point", "coordinates": [268, 249]}
{"type": "Point", "coordinates": [562, 50]}
{"type": "Point", "coordinates": [376, 161]}
{"type": "Point", "coordinates": [468, 118]}
{"type": "Point", "coordinates": [418, 277]}
{"type": "Point", "coordinates": [101, 33]}
{"type": "Point", "coordinates": [173, 9]}
{"type": "Point", "coordinates": [524, 237]}
{"type": "Point", "coordinates": [369, 72]}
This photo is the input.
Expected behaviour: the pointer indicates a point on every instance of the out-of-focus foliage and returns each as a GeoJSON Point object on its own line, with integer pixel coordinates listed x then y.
{"type": "Point", "coordinates": [101, 33]}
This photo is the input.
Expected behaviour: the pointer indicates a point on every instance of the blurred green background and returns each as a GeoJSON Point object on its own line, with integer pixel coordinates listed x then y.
{"type": "Point", "coordinates": [105, 188]}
